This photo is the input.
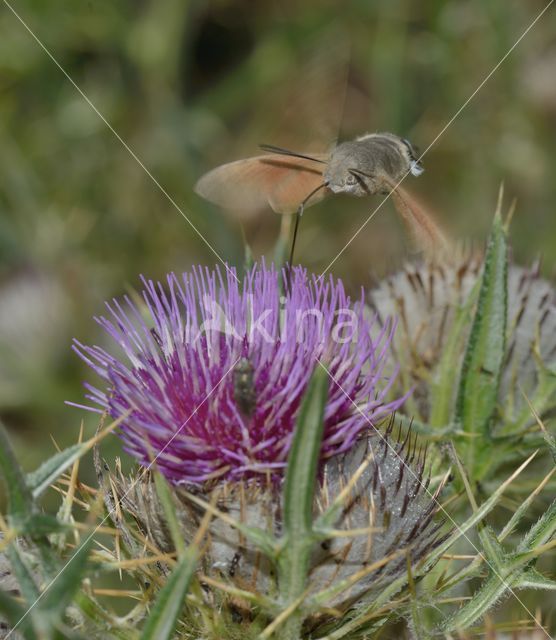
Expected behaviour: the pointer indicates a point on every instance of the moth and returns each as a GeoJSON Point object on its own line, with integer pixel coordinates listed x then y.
{"type": "Point", "coordinates": [288, 182]}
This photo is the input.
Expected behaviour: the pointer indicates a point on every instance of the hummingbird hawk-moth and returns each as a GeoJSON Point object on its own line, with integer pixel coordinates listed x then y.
{"type": "Point", "coordinates": [288, 182]}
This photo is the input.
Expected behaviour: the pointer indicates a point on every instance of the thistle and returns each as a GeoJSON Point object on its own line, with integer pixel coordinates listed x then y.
{"type": "Point", "coordinates": [305, 517]}
{"type": "Point", "coordinates": [219, 371]}
{"type": "Point", "coordinates": [434, 302]}
{"type": "Point", "coordinates": [210, 379]}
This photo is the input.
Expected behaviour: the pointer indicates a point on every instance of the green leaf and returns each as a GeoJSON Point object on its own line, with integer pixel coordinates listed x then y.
{"type": "Point", "coordinates": [19, 494]}
{"type": "Point", "coordinates": [165, 497]}
{"type": "Point", "coordinates": [25, 579]}
{"type": "Point", "coordinates": [13, 613]}
{"type": "Point", "coordinates": [169, 603]}
{"type": "Point", "coordinates": [59, 592]}
{"type": "Point", "coordinates": [23, 511]}
{"type": "Point", "coordinates": [507, 573]}
{"type": "Point", "coordinates": [486, 597]}
{"type": "Point", "coordinates": [541, 532]}
{"type": "Point", "coordinates": [304, 457]}
{"type": "Point", "coordinates": [518, 514]}
{"type": "Point", "coordinates": [480, 374]}
{"type": "Point", "coordinates": [299, 490]}
{"type": "Point", "coordinates": [492, 549]}
{"type": "Point", "coordinates": [50, 470]}
{"type": "Point", "coordinates": [532, 579]}
{"type": "Point", "coordinates": [39, 525]}
{"type": "Point", "coordinates": [445, 377]}
{"type": "Point", "coordinates": [538, 404]}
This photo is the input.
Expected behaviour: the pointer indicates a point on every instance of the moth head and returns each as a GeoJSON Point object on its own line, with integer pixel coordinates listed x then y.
{"type": "Point", "coordinates": [344, 176]}
{"type": "Point", "coordinates": [415, 166]}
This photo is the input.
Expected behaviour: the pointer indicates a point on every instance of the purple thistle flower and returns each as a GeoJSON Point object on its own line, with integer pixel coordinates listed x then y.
{"type": "Point", "coordinates": [212, 371]}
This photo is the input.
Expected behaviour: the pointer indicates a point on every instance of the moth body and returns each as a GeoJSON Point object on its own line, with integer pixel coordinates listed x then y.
{"type": "Point", "coordinates": [369, 164]}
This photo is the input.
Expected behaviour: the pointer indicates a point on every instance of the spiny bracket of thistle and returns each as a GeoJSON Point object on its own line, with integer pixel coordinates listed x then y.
{"type": "Point", "coordinates": [372, 511]}
{"type": "Point", "coordinates": [476, 349]}
{"type": "Point", "coordinates": [445, 581]}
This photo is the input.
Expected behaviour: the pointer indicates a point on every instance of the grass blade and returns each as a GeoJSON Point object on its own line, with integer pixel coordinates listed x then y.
{"type": "Point", "coordinates": [169, 603]}
{"type": "Point", "coordinates": [19, 494]}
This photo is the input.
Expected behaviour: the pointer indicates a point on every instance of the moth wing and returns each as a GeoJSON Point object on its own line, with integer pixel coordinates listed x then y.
{"type": "Point", "coordinates": [272, 180]}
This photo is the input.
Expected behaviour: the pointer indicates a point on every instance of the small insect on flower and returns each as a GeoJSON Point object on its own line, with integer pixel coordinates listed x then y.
{"type": "Point", "coordinates": [288, 182]}
{"type": "Point", "coordinates": [244, 387]}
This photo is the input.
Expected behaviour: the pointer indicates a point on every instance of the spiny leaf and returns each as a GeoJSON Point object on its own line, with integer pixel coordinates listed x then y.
{"type": "Point", "coordinates": [169, 603]}
{"type": "Point", "coordinates": [50, 470]}
{"type": "Point", "coordinates": [60, 590]}
{"type": "Point", "coordinates": [541, 531]}
{"type": "Point", "coordinates": [304, 457]}
{"type": "Point", "coordinates": [13, 613]}
{"type": "Point", "coordinates": [19, 494]}
{"type": "Point", "coordinates": [507, 573]}
{"type": "Point", "coordinates": [491, 547]}
{"type": "Point", "coordinates": [480, 375]}
{"type": "Point", "coordinates": [522, 508]}
{"type": "Point", "coordinates": [25, 579]}
{"type": "Point", "coordinates": [486, 597]}
{"type": "Point", "coordinates": [445, 378]}
{"type": "Point", "coordinates": [532, 579]}
{"type": "Point", "coordinates": [38, 525]}
{"type": "Point", "coordinates": [299, 490]}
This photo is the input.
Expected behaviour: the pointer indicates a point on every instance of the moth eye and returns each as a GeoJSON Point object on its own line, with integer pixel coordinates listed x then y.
{"type": "Point", "coordinates": [351, 179]}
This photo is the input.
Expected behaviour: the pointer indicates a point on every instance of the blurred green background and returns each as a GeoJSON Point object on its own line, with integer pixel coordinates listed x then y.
{"type": "Point", "coordinates": [189, 85]}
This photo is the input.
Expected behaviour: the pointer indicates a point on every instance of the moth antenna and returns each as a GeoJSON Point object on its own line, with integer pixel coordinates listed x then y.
{"type": "Point", "coordinates": [287, 152]}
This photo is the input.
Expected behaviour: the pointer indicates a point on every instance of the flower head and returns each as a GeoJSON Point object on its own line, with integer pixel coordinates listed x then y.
{"type": "Point", "coordinates": [428, 298]}
{"type": "Point", "coordinates": [211, 373]}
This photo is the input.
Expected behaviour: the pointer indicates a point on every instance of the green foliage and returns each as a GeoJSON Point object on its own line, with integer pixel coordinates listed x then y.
{"type": "Point", "coordinates": [164, 615]}
{"type": "Point", "coordinates": [482, 365]}
{"type": "Point", "coordinates": [50, 470]}
{"type": "Point", "coordinates": [65, 215]}
{"type": "Point", "coordinates": [507, 572]}
{"type": "Point", "coordinates": [299, 491]}
{"type": "Point", "coordinates": [19, 494]}
{"type": "Point", "coordinates": [165, 496]}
